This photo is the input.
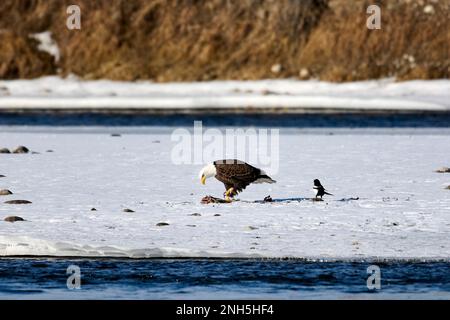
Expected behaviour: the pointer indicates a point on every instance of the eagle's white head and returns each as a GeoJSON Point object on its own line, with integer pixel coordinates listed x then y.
{"type": "Point", "coordinates": [207, 172]}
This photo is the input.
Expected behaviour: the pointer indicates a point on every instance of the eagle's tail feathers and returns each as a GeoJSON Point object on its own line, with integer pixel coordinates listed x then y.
{"type": "Point", "coordinates": [264, 179]}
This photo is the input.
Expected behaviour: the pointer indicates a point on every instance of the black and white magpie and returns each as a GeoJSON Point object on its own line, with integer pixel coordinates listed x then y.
{"type": "Point", "coordinates": [319, 189]}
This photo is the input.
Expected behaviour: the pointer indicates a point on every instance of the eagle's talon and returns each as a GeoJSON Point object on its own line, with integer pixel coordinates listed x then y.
{"type": "Point", "coordinates": [229, 192]}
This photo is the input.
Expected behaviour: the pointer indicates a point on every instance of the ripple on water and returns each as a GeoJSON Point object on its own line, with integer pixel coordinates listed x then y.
{"type": "Point", "coordinates": [192, 278]}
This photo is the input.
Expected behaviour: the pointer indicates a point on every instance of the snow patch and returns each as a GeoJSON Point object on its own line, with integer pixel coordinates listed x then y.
{"type": "Point", "coordinates": [47, 44]}
{"type": "Point", "coordinates": [386, 94]}
{"type": "Point", "coordinates": [399, 208]}
{"type": "Point", "coordinates": [27, 246]}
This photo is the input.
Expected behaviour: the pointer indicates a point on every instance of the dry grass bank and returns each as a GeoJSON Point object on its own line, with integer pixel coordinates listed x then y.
{"type": "Point", "coordinates": [188, 40]}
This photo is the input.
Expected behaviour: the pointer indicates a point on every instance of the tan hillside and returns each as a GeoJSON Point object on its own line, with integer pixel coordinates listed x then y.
{"type": "Point", "coordinates": [189, 40]}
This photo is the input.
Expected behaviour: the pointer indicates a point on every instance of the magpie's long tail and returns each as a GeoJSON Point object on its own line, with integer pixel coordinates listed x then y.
{"type": "Point", "coordinates": [330, 194]}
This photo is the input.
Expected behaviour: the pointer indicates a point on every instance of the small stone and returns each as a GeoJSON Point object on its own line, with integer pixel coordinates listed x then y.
{"type": "Point", "coordinates": [93, 209]}
{"type": "Point", "coordinates": [429, 9]}
{"type": "Point", "coordinates": [276, 68]}
{"type": "Point", "coordinates": [268, 199]}
{"type": "Point", "coordinates": [116, 135]}
{"type": "Point", "coordinates": [443, 170]}
{"type": "Point", "coordinates": [262, 14]}
{"type": "Point", "coordinates": [252, 228]}
{"type": "Point", "coordinates": [195, 214]}
{"type": "Point", "coordinates": [217, 215]}
{"type": "Point", "coordinates": [4, 150]}
{"type": "Point", "coordinates": [13, 219]}
{"type": "Point", "coordinates": [395, 223]}
{"type": "Point", "coordinates": [191, 225]}
{"type": "Point", "coordinates": [21, 149]}
{"type": "Point", "coordinates": [304, 73]}
{"type": "Point", "coordinates": [156, 141]}
{"type": "Point", "coordinates": [127, 210]}
{"type": "Point", "coordinates": [2, 176]}
{"type": "Point", "coordinates": [5, 192]}
{"type": "Point", "coordinates": [18, 202]}
{"type": "Point", "coordinates": [448, 188]}
{"type": "Point", "coordinates": [162, 224]}
{"type": "Point", "coordinates": [49, 150]}
{"type": "Point", "coordinates": [267, 92]}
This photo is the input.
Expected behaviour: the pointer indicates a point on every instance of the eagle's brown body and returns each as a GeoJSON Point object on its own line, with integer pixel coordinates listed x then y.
{"type": "Point", "coordinates": [238, 175]}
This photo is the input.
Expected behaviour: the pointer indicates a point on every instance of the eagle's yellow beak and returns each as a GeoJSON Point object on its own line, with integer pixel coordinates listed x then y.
{"type": "Point", "coordinates": [203, 179]}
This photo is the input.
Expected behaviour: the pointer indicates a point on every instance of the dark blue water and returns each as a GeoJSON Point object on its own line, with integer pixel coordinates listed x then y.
{"type": "Point", "coordinates": [347, 120]}
{"type": "Point", "coordinates": [220, 279]}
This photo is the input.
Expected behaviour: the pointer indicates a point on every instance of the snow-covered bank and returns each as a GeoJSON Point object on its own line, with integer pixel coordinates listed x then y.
{"type": "Point", "coordinates": [284, 95]}
{"type": "Point", "coordinates": [402, 211]}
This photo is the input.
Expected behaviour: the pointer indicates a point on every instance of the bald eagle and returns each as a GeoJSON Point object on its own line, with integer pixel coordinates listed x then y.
{"type": "Point", "coordinates": [236, 175]}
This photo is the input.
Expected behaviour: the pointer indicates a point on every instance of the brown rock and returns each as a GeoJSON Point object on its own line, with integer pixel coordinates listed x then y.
{"type": "Point", "coordinates": [162, 224]}
{"type": "Point", "coordinates": [304, 73]}
{"type": "Point", "coordinates": [195, 214]}
{"type": "Point", "coordinates": [267, 92]}
{"type": "Point", "coordinates": [4, 150]}
{"type": "Point", "coordinates": [443, 170]}
{"type": "Point", "coordinates": [21, 149]}
{"type": "Point", "coordinates": [276, 68]}
{"type": "Point", "coordinates": [5, 192]}
{"type": "Point", "coordinates": [127, 210]}
{"type": "Point", "coordinates": [18, 202]}
{"type": "Point", "coordinates": [13, 219]}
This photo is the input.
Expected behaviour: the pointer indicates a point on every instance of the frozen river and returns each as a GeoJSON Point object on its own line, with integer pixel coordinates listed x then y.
{"type": "Point", "coordinates": [388, 203]}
